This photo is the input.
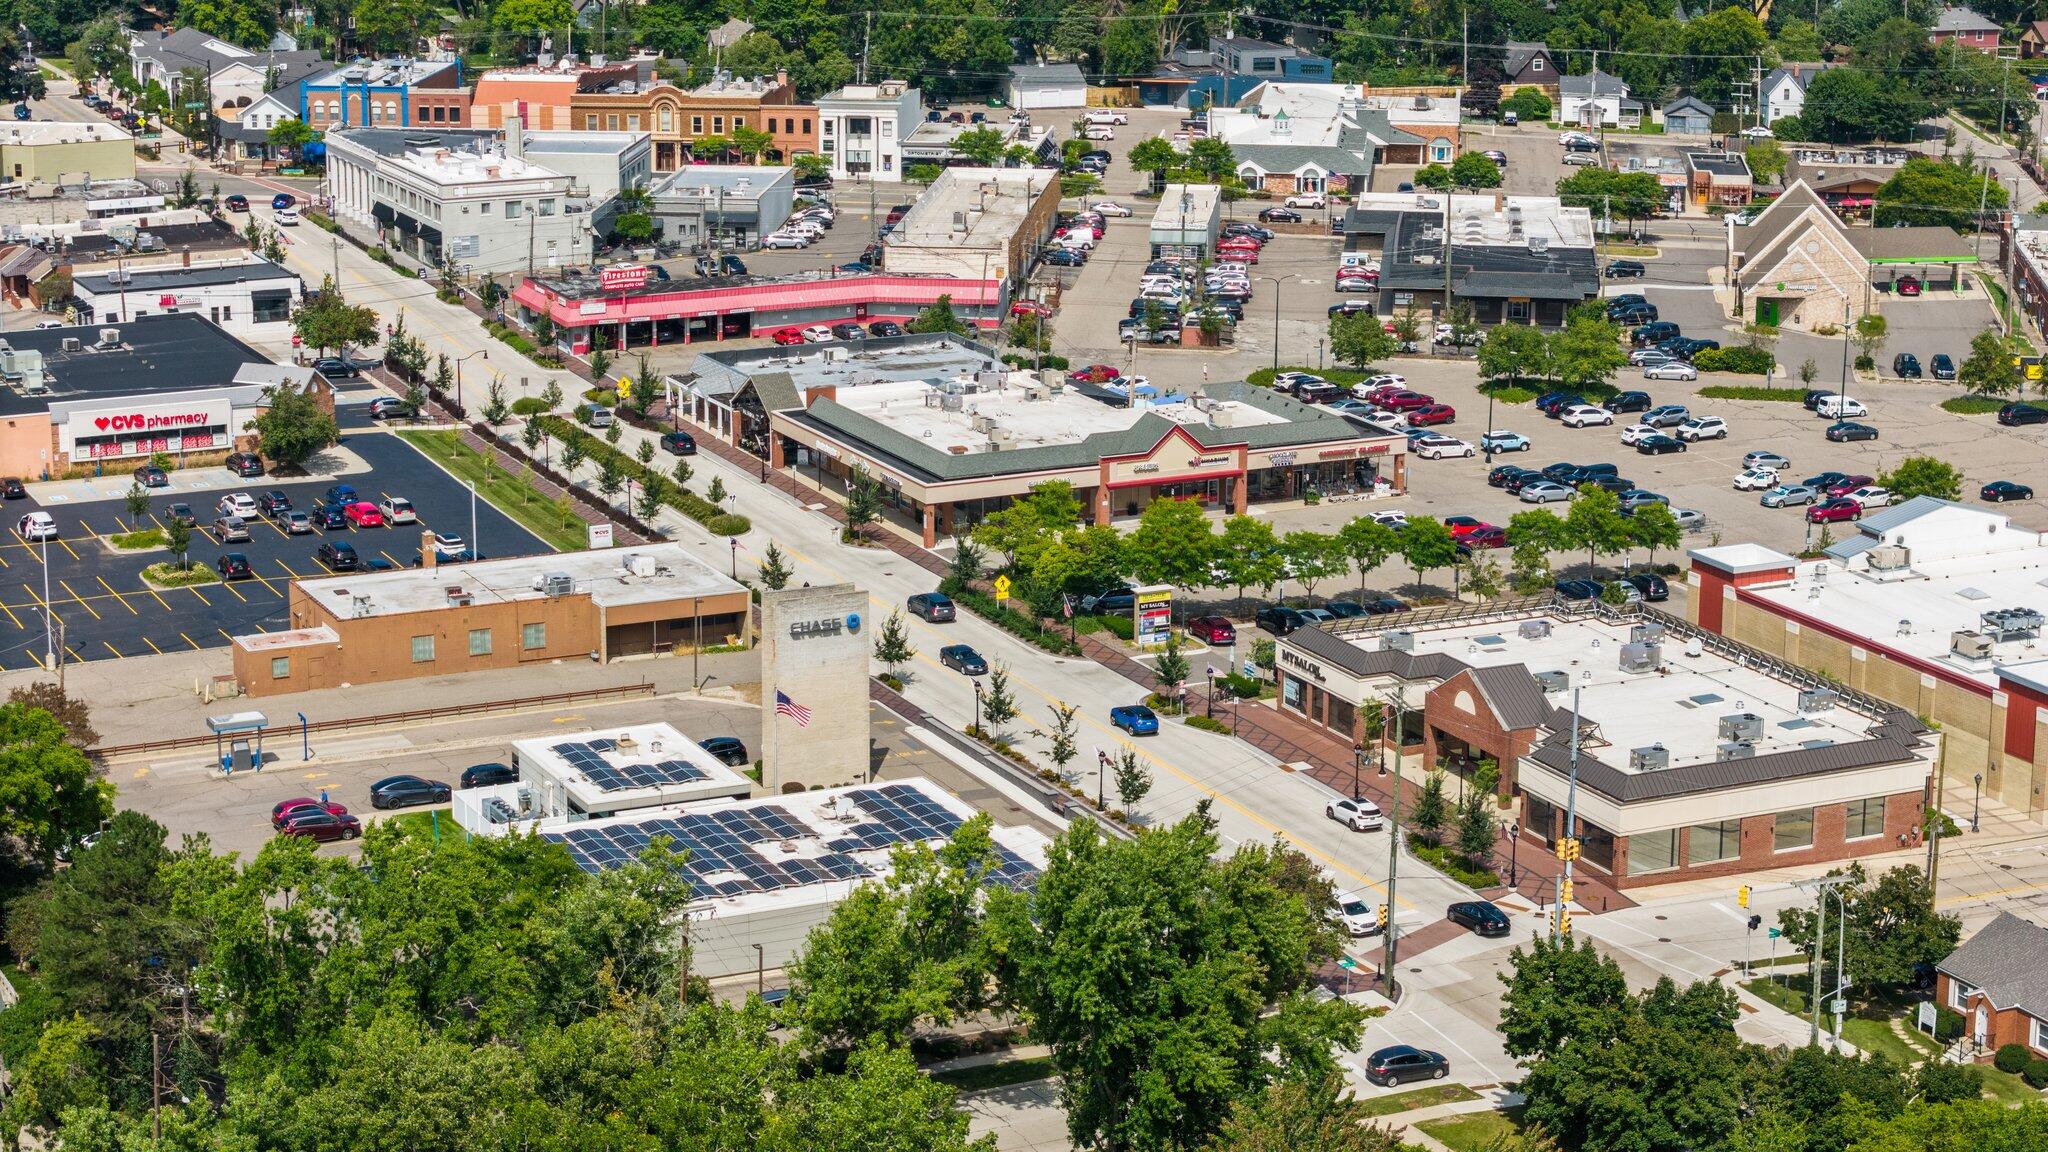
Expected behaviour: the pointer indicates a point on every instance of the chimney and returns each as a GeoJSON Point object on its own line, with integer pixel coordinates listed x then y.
{"type": "Point", "coordinates": [428, 555]}
{"type": "Point", "coordinates": [515, 137]}
{"type": "Point", "coordinates": [1500, 201]}
{"type": "Point", "coordinates": [781, 77]}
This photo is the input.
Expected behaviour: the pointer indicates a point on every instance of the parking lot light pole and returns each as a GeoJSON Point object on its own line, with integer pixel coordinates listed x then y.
{"type": "Point", "coordinates": [1276, 281]}
{"type": "Point", "coordinates": [483, 352]}
{"type": "Point", "coordinates": [1486, 437]}
{"type": "Point", "coordinates": [49, 635]}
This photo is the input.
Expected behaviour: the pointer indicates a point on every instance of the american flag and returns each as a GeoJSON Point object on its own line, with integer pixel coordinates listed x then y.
{"type": "Point", "coordinates": [784, 706]}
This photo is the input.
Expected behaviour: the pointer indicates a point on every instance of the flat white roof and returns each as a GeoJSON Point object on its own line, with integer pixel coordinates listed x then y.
{"type": "Point", "coordinates": [643, 574]}
{"type": "Point", "coordinates": [1014, 418]}
{"type": "Point", "coordinates": [630, 767]}
{"type": "Point", "coordinates": [452, 168]}
{"type": "Point", "coordinates": [1680, 707]}
{"type": "Point", "coordinates": [775, 852]}
{"type": "Point", "coordinates": [30, 133]}
{"type": "Point", "coordinates": [971, 208]}
{"type": "Point", "coordinates": [1203, 200]}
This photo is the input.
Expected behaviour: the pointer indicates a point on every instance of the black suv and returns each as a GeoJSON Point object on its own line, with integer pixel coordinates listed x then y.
{"type": "Point", "coordinates": [1629, 402]}
{"type": "Point", "coordinates": [1279, 621]}
{"type": "Point", "coordinates": [245, 464]}
{"type": "Point", "coordinates": [1481, 916]}
{"type": "Point", "coordinates": [1626, 270]}
{"type": "Point", "coordinates": [679, 444]}
{"type": "Point", "coordinates": [338, 556]}
{"type": "Point", "coordinates": [274, 504]}
{"type": "Point", "coordinates": [1655, 332]}
{"type": "Point", "coordinates": [486, 775]}
{"type": "Point", "coordinates": [233, 566]}
{"type": "Point", "coordinates": [1906, 366]}
{"type": "Point", "coordinates": [727, 750]}
{"type": "Point", "coordinates": [2015, 415]}
{"type": "Point", "coordinates": [1652, 586]}
{"type": "Point", "coordinates": [404, 791]}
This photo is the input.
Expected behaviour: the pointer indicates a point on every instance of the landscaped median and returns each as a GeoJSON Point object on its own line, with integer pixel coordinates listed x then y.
{"type": "Point", "coordinates": [716, 520]}
{"type": "Point", "coordinates": [510, 493]}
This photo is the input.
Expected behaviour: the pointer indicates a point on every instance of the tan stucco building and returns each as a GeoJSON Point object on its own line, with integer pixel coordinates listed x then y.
{"type": "Point", "coordinates": [49, 151]}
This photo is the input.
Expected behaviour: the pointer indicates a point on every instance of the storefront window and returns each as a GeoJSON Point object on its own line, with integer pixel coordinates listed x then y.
{"type": "Point", "coordinates": [1866, 818]}
{"type": "Point", "coordinates": [1343, 715]}
{"type": "Point", "coordinates": [1707, 843]}
{"type": "Point", "coordinates": [1793, 830]}
{"type": "Point", "coordinates": [1290, 693]}
{"type": "Point", "coordinates": [1596, 846]}
{"type": "Point", "coordinates": [1652, 852]}
{"type": "Point", "coordinates": [1543, 819]}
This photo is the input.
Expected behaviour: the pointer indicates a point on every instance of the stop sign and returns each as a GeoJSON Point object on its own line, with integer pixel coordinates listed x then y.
{"type": "Point", "coordinates": [296, 341]}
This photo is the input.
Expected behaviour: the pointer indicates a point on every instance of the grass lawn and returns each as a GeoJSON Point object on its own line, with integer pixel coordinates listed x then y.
{"type": "Point", "coordinates": [1471, 1132]}
{"type": "Point", "coordinates": [1972, 405]}
{"type": "Point", "coordinates": [422, 822]}
{"type": "Point", "coordinates": [508, 492]}
{"type": "Point", "coordinates": [2007, 1088]}
{"type": "Point", "coordinates": [1415, 1098]}
{"type": "Point", "coordinates": [1784, 996]}
{"type": "Point", "coordinates": [1999, 303]}
{"type": "Point", "coordinates": [1001, 1075]}
{"type": "Point", "coordinates": [1876, 1037]}
{"type": "Point", "coordinates": [1628, 250]}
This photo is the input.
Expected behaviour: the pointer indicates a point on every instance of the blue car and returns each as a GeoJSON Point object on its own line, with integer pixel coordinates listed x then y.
{"type": "Point", "coordinates": [1503, 442]}
{"type": "Point", "coordinates": [1135, 719]}
{"type": "Point", "coordinates": [328, 515]}
{"type": "Point", "coordinates": [342, 494]}
{"type": "Point", "coordinates": [283, 200]}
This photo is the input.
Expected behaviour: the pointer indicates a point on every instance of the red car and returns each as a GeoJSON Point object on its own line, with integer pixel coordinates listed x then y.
{"type": "Point", "coordinates": [789, 336]}
{"type": "Point", "coordinates": [1405, 401]}
{"type": "Point", "coordinates": [364, 514]}
{"type": "Point", "coordinates": [1213, 630]}
{"type": "Point", "coordinates": [321, 825]}
{"type": "Point", "coordinates": [1848, 484]}
{"type": "Point", "coordinates": [1430, 414]}
{"type": "Point", "coordinates": [282, 811]}
{"type": "Point", "coordinates": [1093, 374]}
{"type": "Point", "coordinates": [1834, 511]}
{"type": "Point", "coordinates": [1029, 308]}
{"type": "Point", "coordinates": [1463, 526]}
{"type": "Point", "coordinates": [1909, 286]}
{"type": "Point", "coordinates": [1379, 395]}
{"type": "Point", "coordinates": [1248, 254]}
{"type": "Point", "coordinates": [1489, 536]}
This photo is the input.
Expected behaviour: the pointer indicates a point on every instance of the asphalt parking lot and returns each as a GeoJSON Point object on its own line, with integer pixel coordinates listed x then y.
{"type": "Point", "coordinates": [107, 612]}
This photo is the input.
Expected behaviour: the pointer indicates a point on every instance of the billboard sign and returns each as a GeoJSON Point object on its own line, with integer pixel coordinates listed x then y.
{"type": "Point", "coordinates": [1152, 616]}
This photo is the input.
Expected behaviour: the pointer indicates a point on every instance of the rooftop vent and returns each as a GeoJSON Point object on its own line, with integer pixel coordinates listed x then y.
{"type": "Point", "coordinates": [1819, 699]}
{"type": "Point", "coordinates": [1742, 726]}
{"type": "Point", "coordinates": [458, 596]}
{"type": "Point", "coordinates": [1641, 657]}
{"type": "Point", "coordinates": [1970, 645]}
{"type": "Point", "coordinates": [1533, 629]}
{"type": "Point", "coordinates": [554, 584]}
{"type": "Point", "coordinates": [1553, 681]}
{"type": "Point", "coordinates": [1399, 641]}
{"type": "Point", "coordinates": [1888, 557]}
{"type": "Point", "coordinates": [1650, 759]}
{"type": "Point", "coordinates": [72, 344]}
{"type": "Point", "coordinates": [1735, 750]}
{"type": "Point", "coordinates": [1647, 633]}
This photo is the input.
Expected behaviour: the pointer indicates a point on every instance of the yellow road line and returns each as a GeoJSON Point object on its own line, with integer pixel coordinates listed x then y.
{"type": "Point", "coordinates": [11, 616]}
{"type": "Point", "coordinates": [81, 600]}
{"type": "Point", "coordinates": [230, 586]}
{"type": "Point", "coordinates": [152, 645]}
{"type": "Point", "coordinates": [188, 640]}
{"type": "Point", "coordinates": [294, 572]}
{"type": "Point", "coordinates": [67, 547]}
{"type": "Point", "coordinates": [224, 635]}
{"type": "Point", "coordinates": [194, 590]}
{"type": "Point", "coordinates": [117, 595]}
{"type": "Point", "coordinates": [114, 650]}
{"type": "Point", "coordinates": [390, 557]}
{"type": "Point", "coordinates": [75, 657]}
{"type": "Point", "coordinates": [159, 597]}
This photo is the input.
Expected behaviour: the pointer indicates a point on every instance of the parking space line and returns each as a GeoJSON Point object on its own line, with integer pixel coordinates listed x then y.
{"type": "Point", "coordinates": [67, 547]}
{"type": "Point", "coordinates": [193, 589]}
{"type": "Point", "coordinates": [73, 653]}
{"type": "Point", "coordinates": [230, 586]}
{"type": "Point", "coordinates": [117, 596]}
{"type": "Point", "coordinates": [263, 580]}
{"type": "Point", "coordinates": [390, 557]}
{"type": "Point", "coordinates": [152, 646]}
{"type": "Point", "coordinates": [290, 569]}
{"type": "Point", "coordinates": [114, 650]}
{"type": "Point", "coordinates": [159, 597]}
{"type": "Point", "coordinates": [81, 600]}
{"type": "Point", "coordinates": [10, 615]}
{"type": "Point", "coordinates": [188, 640]}
{"type": "Point", "coordinates": [224, 635]}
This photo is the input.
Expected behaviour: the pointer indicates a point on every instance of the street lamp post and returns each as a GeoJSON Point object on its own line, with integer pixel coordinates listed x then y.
{"type": "Point", "coordinates": [1514, 843]}
{"type": "Point", "coordinates": [1486, 438]}
{"type": "Point", "coordinates": [1357, 765]}
{"type": "Point", "coordinates": [1276, 281]}
{"type": "Point", "coordinates": [1976, 803]}
{"type": "Point", "coordinates": [977, 709]}
{"type": "Point", "coordinates": [483, 352]}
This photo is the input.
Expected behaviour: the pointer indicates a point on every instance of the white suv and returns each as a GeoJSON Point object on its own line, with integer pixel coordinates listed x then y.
{"type": "Point", "coordinates": [1703, 428]}
{"type": "Point", "coordinates": [1871, 497]}
{"type": "Point", "coordinates": [1356, 813]}
{"type": "Point", "coordinates": [1840, 408]}
{"type": "Point", "coordinates": [1582, 415]}
{"type": "Point", "coordinates": [1307, 200]}
{"type": "Point", "coordinates": [1105, 116]}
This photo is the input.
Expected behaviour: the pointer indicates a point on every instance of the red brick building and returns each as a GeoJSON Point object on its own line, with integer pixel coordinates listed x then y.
{"type": "Point", "coordinates": [1998, 980]}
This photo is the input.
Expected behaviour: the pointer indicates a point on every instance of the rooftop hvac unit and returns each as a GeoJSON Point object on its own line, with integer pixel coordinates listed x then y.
{"type": "Point", "coordinates": [1641, 657]}
{"type": "Point", "coordinates": [640, 565]}
{"type": "Point", "coordinates": [555, 583]}
{"type": "Point", "coordinates": [1888, 557]}
{"type": "Point", "coordinates": [458, 596]}
{"type": "Point", "coordinates": [1645, 633]}
{"type": "Point", "coordinates": [1819, 699]}
{"type": "Point", "coordinates": [1735, 750]}
{"type": "Point", "coordinates": [981, 424]}
{"type": "Point", "coordinates": [1742, 726]}
{"type": "Point", "coordinates": [1650, 759]}
{"type": "Point", "coordinates": [1533, 629]}
{"type": "Point", "coordinates": [110, 338]}
{"type": "Point", "coordinates": [1553, 681]}
{"type": "Point", "coordinates": [951, 402]}
{"type": "Point", "coordinates": [1399, 641]}
{"type": "Point", "coordinates": [72, 344]}
{"type": "Point", "coordinates": [836, 355]}
{"type": "Point", "coordinates": [1970, 645]}
{"type": "Point", "coordinates": [2009, 623]}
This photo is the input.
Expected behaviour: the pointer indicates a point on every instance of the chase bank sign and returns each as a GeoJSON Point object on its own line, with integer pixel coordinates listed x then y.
{"type": "Point", "coordinates": [806, 629]}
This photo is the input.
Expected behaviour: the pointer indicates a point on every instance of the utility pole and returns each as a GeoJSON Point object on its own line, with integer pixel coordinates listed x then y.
{"type": "Point", "coordinates": [1826, 886]}
{"type": "Point", "coordinates": [1465, 56]}
{"type": "Point", "coordinates": [1393, 847]}
{"type": "Point", "coordinates": [1568, 844]}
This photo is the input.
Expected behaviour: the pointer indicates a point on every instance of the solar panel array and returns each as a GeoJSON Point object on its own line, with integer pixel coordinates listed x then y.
{"type": "Point", "coordinates": [589, 760]}
{"type": "Point", "coordinates": [721, 859]}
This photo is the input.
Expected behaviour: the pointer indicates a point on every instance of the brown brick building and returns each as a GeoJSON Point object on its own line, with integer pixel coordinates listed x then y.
{"type": "Point", "coordinates": [677, 117]}
{"type": "Point", "coordinates": [1998, 981]}
{"type": "Point", "coordinates": [532, 610]}
{"type": "Point", "coordinates": [1692, 761]}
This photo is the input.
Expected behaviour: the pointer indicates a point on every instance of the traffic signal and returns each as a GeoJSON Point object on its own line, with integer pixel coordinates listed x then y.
{"type": "Point", "coordinates": [1564, 891]}
{"type": "Point", "coordinates": [1564, 919]}
{"type": "Point", "coordinates": [1380, 914]}
{"type": "Point", "coordinates": [1755, 922]}
{"type": "Point", "coordinates": [1742, 896]}
{"type": "Point", "coordinates": [1567, 849]}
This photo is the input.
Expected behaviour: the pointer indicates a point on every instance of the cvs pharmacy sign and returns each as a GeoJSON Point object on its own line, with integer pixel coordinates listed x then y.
{"type": "Point", "coordinates": [149, 421]}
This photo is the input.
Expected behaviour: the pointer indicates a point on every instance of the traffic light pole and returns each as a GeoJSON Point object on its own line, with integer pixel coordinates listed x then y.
{"type": "Point", "coordinates": [1393, 849]}
{"type": "Point", "coordinates": [1568, 844]}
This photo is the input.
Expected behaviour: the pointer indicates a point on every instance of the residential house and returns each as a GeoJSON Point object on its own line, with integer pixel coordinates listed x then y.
{"type": "Point", "coordinates": [1223, 72]}
{"type": "Point", "coordinates": [1529, 65]}
{"type": "Point", "coordinates": [244, 131]}
{"type": "Point", "coordinates": [1997, 980]}
{"type": "Point", "coordinates": [1432, 116]}
{"type": "Point", "coordinates": [1785, 89]}
{"type": "Point", "coordinates": [396, 93]}
{"type": "Point", "coordinates": [1034, 86]}
{"type": "Point", "coordinates": [2034, 40]}
{"type": "Point", "coordinates": [237, 76]}
{"type": "Point", "coordinates": [1294, 138]}
{"type": "Point", "coordinates": [1597, 99]}
{"type": "Point", "coordinates": [1966, 28]}
{"type": "Point", "coordinates": [1688, 116]}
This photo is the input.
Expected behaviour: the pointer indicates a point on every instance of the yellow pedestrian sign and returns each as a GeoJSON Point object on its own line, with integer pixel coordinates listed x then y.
{"type": "Point", "coordinates": [1002, 587]}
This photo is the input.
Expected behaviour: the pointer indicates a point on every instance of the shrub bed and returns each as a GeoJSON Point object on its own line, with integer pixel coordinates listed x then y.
{"type": "Point", "coordinates": [1010, 620]}
{"type": "Point", "coordinates": [1024, 360]}
{"type": "Point", "coordinates": [1453, 865]}
{"type": "Point", "coordinates": [1509, 392]}
{"type": "Point", "coordinates": [1972, 405]}
{"type": "Point", "coordinates": [323, 221]}
{"type": "Point", "coordinates": [1241, 686]}
{"type": "Point", "coordinates": [729, 524]}
{"type": "Point", "coordinates": [1207, 724]}
{"type": "Point", "coordinates": [594, 447]}
{"type": "Point", "coordinates": [137, 541]}
{"type": "Point", "coordinates": [1751, 392]}
{"type": "Point", "coordinates": [529, 406]}
{"type": "Point", "coordinates": [168, 575]}
{"type": "Point", "coordinates": [2012, 1058]}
